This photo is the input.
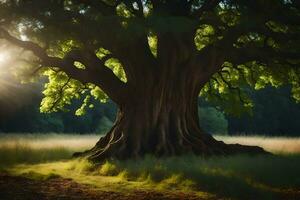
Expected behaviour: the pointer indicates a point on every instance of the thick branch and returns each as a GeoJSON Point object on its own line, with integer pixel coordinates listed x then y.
{"type": "Point", "coordinates": [261, 54]}
{"type": "Point", "coordinates": [96, 72]}
{"type": "Point", "coordinates": [214, 53]}
{"type": "Point", "coordinates": [218, 52]}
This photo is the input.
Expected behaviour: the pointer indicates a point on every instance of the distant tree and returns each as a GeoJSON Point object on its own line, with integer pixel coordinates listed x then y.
{"type": "Point", "coordinates": [27, 118]}
{"type": "Point", "coordinates": [275, 113]}
{"type": "Point", "coordinates": [153, 58]}
{"type": "Point", "coordinates": [19, 112]}
{"type": "Point", "coordinates": [213, 121]}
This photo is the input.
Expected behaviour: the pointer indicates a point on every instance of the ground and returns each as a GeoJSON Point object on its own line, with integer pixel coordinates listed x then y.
{"type": "Point", "coordinates": [21, 188]}
{"type": "Point", "coordinates": [38, 167]}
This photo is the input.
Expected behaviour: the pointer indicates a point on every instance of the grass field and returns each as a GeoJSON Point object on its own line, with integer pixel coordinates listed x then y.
{"type": "Point", "coordinates": [37, 148]}
{"type": "Point", "coordinates": [233, 177]}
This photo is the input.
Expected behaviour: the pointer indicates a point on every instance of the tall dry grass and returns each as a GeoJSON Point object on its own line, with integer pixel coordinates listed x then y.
{"type": "Point", "coordinates": [277, 145]}
{"type": "Point", "coordinates": [36, 148]}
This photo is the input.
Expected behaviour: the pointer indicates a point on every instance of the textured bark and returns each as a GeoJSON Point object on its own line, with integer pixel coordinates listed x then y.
{"type": "Point", "coordinates": [161, 120]}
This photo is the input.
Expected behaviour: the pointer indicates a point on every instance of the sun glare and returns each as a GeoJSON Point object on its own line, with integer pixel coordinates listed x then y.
{"type": "Point", "coordinates": [3, 70]}
{"type": "Point", "coordinates": [3, 58]}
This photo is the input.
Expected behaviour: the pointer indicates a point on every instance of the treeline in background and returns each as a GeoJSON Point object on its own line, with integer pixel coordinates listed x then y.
{"type": "Point", "coordinates": [274, 113]}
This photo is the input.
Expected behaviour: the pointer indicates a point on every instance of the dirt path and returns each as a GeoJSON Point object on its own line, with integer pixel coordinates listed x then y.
{"type": "Point", "coordinates": [20, 188]}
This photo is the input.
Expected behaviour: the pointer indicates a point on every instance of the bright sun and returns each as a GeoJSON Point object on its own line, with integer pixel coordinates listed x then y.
{"type": "Point", "coordinates": [3, 57]}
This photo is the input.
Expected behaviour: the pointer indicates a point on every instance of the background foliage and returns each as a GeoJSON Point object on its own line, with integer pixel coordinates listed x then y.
{"type": "Point", "coordinates": [274, 113]}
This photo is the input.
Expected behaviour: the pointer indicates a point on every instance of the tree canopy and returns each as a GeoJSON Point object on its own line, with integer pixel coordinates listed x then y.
{"type": "Point", "coordinates": [102, 49]}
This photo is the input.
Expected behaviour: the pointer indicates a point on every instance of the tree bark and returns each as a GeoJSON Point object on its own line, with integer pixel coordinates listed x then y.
{"type": "Point", "coordinates": [161, 120]}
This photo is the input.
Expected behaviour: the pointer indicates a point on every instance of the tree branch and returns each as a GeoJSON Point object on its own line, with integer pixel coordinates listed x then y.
{"type": "Point", "coordinates": [264, 55]}
{"type": "Point", "coordinates": [231, 87]}
{"type": "Point", "coordinates": [141, 8]}
{"type": "Point", "coordinates": [60, 95]}
{"type": "Point", "coordinates": [96, 72]}
{"type": "Point", "coordinates": [212, 56]}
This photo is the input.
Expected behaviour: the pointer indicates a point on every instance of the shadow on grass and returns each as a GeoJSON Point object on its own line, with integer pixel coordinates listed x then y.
{"type": "Point", "coordinates": [241, 177]}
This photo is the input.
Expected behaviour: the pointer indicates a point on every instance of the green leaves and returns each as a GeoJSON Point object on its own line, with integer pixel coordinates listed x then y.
{"type": "Point", "coordinates": [204, 36]}
{"type": "Point", "coordinates": [294, 78]}
{"type": "Point", "coordinates": [256, 45]}
{"type": "Point", "coordinates": [98, 94]}
{"type": "Point", "coordinates": [82, 110]}
{"type": "Point", "coordinates": [228, 89]}
{"type": "Point", "coordinates": [61, 91]}
{"type": "Point", "coordinates": [115, 65]}
{"type": "Point", "coordinates": [152, 42]}
{"type": "Point", "coordinates": [227, 95]}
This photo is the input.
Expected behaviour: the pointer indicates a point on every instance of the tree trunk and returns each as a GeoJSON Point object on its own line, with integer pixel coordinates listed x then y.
{"type": "Point", "coordinates": [161, 120]}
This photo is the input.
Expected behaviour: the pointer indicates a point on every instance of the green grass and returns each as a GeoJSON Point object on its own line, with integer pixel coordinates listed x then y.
{"type": "Point", "coordinates": [242, 177]}
{"type": "Point", "coordinates": [233, 177]}
{"type": "Point", "coordinates": [38, 148]}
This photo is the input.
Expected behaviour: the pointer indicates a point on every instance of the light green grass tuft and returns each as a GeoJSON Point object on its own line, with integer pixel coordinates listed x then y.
{"type": "Point", "coordinates": [108, 169]}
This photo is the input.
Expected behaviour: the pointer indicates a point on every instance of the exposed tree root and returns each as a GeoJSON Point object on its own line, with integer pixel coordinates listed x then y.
{"type": "Point", "coordinates": [120, 144]}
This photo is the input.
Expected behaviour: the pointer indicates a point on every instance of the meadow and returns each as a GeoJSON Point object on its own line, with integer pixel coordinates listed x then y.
{"type": "Point", "coordinates": [48, 156]}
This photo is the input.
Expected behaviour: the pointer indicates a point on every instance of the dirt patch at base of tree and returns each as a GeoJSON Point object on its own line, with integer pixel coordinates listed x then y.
{"type": "Point", "coordinates": [20, 188]}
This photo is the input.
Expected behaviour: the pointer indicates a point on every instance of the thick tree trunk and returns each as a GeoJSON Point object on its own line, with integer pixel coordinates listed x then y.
{"type": "Point", "coordinates": [161, 120]}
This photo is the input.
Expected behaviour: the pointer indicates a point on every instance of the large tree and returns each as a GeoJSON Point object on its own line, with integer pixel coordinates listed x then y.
{"type": "Point", "coordinates": [153, 58]}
